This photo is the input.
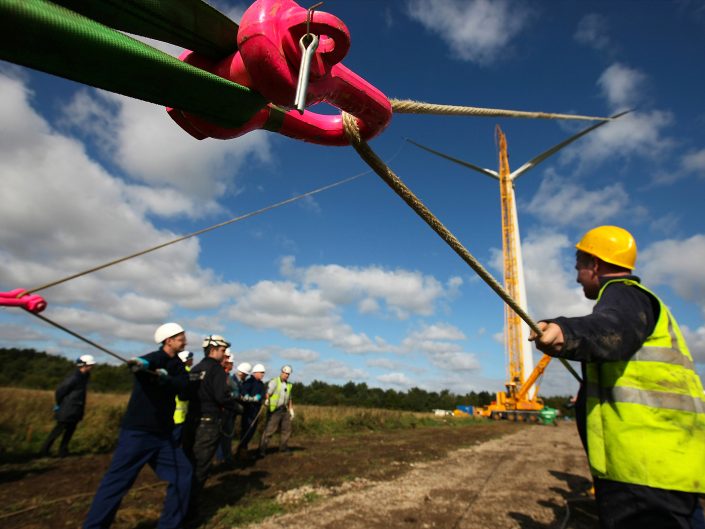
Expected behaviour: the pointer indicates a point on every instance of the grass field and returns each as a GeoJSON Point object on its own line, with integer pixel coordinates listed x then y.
{"type": "Point", "coordinates": [26, 419]}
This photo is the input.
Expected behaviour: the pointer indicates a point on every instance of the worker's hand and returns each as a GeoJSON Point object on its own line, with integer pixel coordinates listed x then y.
{"type": "Point", "coordinates": [56, 408]}
{"type": "Point", "coordinates": [162, 373]}
{"type": "Point", "coordinates": [258, 397]}
{"type": "Point", "coordinates": [137, 364]}
{"type": "Point", "coordinates": [291, 413]}
{"type": "Point", "coordinates": [551, 340]}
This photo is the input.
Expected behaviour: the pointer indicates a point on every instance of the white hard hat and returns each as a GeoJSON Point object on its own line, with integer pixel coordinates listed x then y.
{"type": "Point", "coordinates": [228, 357]}
{"type": "Point", "coordinates": [85, 360]}
{"type": "Point", "coordinates": [258, 368]}
{"type": "Point", "coordinates": [185, 356]}
{"type": "Point", "coordinates": [167, 331]}
{"type": "Point", "coordinates": [287, 369]}
{"type": "Point", "coordinates": [244, 367]}
{"type": "Point", "coordinates": [215, 340]}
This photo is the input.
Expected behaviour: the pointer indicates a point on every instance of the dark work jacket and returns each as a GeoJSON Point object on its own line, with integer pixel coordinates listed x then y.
{"type": "Point", "coordinates": [619, 324]}
{"type": "Point", "coordinates": [250, 388]}
{"type": "Point", "coordinates": [210, 392]}
{"type": "Point", "coordinates": [71, 397]}
{"type": "Point", "coordinates": [152, 403]}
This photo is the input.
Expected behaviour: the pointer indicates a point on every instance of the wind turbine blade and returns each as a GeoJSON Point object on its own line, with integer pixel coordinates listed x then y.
{"type": "Point", "coordinates": [553, 150]}
{"type": "Point", "coordinates": [488, 172]}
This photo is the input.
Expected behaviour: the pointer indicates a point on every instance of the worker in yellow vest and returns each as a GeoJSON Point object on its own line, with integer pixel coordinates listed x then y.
{"type": "Point", "coordinates": [641, 408]}
{"type": "Point", "coordinates": [181, 405]}
{"type": "Point", "coordinates": [280, 411]}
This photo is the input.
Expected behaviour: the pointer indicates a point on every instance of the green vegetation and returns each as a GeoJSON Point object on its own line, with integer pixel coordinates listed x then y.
{"type": "Point", "coordinates": [27, 368]}
{"type": "Point", "coordinates": [254, 511]}
{"type": "Point", "coordinates": [26, 418]}
{"type": "Point", "coordinates": [416, 399]}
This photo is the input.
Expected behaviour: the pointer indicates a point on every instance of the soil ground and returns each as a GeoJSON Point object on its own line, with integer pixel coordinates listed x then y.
{"type": "Point", "coordinates": [487, 475]}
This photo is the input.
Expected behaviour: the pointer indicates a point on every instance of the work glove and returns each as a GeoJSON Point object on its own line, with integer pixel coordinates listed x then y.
{"type": "Point", "coordinates": [258, 397]}
{"type": "Point", "coordinates": [56, 408]}
{"type": "Point", "coordinates": [137, 364]}
{"type": "Point", "coordinates": [162, 376]}
{"type": "Point", "coordinates": [291, 413]}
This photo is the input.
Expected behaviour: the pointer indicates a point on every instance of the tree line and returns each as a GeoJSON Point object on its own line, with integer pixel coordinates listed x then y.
{"type": "Point", "coordinates": [29, 368]}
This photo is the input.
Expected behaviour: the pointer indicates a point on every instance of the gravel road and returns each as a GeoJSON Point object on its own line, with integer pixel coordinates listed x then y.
{"type": "Point", "coordinates": [521, 480]}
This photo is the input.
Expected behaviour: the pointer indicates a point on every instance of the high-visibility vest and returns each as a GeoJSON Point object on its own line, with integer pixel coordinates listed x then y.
{"type": "Point", "coordinates": [274, 397]}
{"type": "Point", "coordinates": [646, 415]}
{"type": "Point", "coordinates": [181, 407]}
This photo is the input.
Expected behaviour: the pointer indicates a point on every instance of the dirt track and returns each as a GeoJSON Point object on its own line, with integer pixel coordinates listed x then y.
{"type": "Point", "coordinates": [505, 475]}
{"type": "Point", "coordinates": [518, 481]}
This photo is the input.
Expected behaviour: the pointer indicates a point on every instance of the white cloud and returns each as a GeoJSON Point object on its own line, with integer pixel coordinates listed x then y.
{"type": "Point", "coordinates": [694, 162]}
{"type": "Point", "coordinates": [338, 371]}
{"type": "Point", "coordinates": [301, 314]}
{"type": "Point", "coordinates": [432, 340]}
{"type": "Point", "coordinates": [299, 354]}
{"type": "Point", "coordinates": [479, 31]}
{"type": "Point", "coordinates": [143, 140]}
{"type": "Point", "coordinates": [403, 292]}
{"type": "Point", "coordinates": [456, 361]}
{"type": "Point", "coordinates": [17, 333]}
{"type": "Point", "coordinates": [593, 31]}
{"type": "Point", "coordinates": [64, 213]}
{"type": "Point", "coordinates": [640, 133]}
{"type": "Point", "coordinates": [382, 362]}
{"type": "Point", "coordinates": [696, 342]}
{"type": "Point", "coordinates": [677, 263]}
{"type": "Point", "coordinates": [622, 86]}
{"type": "Point", "coordinates": [549, 258]}
{"type": "Point", "coordinates": [562, 202]}
{"type": "Point", "coordinates": [438, 331]}
{"type": "Point", "coordinates": [396, 379]}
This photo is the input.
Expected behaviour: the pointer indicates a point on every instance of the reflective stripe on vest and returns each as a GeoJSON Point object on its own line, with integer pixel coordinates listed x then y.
{"type": "Point", "coordinates": [646, 416]}
{"type": "Point", "coordinates": [274, 397]}
{"type": "Point", "coordinates": [181, 407]}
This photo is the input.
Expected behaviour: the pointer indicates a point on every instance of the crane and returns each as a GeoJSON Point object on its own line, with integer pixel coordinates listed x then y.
{"type": "Point", "coordinates": [520, 401]}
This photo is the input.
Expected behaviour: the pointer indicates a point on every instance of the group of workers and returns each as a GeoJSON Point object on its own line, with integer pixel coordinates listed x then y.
{"type": "Point", "coordinates": [640, 408]}
{"type": "Point", "coordinates": [179, 415]}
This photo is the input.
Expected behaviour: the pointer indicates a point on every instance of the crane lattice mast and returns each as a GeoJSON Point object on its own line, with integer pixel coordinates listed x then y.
{"type": "Point", "coordinates": [518, 352]}
{"type": "Point", "coordinates": [519, 361]}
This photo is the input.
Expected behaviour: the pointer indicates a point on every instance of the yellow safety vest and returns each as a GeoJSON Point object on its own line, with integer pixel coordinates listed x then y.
{"type": "Point", "coordinates": [274, 398]}
{"type": "Point", "coordinates": [646, 416]}
{"type": "Point", "coordinates": [181, 407]}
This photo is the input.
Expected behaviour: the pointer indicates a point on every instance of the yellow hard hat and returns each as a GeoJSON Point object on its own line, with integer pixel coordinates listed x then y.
{"type": "Point", "coordinates": [612, 244]}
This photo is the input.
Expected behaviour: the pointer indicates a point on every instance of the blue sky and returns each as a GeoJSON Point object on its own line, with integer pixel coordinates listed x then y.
{"type": "Point", "coordinates": [350, 284]}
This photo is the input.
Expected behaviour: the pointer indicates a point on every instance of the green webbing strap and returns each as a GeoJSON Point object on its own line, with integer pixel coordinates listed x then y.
{"type": "Point", "coordinates": [53, 39]}
{"type": "Point", "coordinates": [190, 24]}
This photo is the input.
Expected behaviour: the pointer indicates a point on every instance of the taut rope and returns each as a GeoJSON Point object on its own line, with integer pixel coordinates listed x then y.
{"type": "Point", "coordinates": [408, 106]}
{"type": "Point", "coordinates": [408, 196]}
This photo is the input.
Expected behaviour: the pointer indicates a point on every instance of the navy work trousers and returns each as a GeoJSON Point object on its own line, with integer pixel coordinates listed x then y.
{"type": "Point", "coordinates": [136, 449]}
{"type": "Point", "coordinates": [629, 506]}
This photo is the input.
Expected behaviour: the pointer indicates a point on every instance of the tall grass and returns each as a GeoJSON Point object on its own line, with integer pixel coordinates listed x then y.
{"type": "Point", "coordinates": [26, 419]}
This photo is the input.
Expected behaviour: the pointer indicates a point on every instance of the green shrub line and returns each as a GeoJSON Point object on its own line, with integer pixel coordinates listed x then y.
{"type": "Point", "coordinates": [27, 368]}
{"type": "Point", "coordinates": [26, 419]}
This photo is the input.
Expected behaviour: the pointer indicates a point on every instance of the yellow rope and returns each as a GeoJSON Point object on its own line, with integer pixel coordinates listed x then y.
{"type": "Point", "coordinates": [400, 188]}
{"type": "Point", "coordinates": [408, 106]}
